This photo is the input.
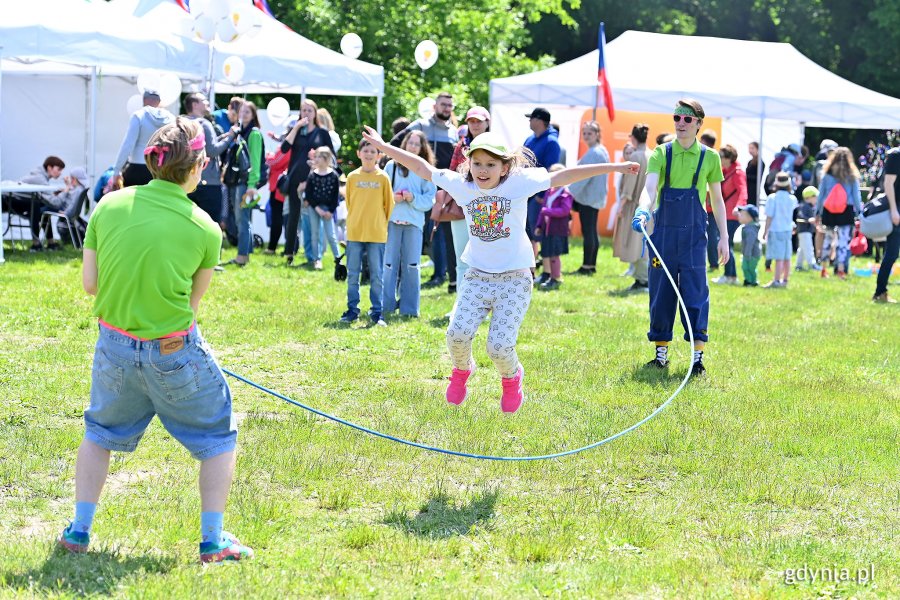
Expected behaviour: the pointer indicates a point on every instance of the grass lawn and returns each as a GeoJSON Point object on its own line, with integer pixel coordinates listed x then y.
{"type": "Point", "coordinates": [786, 457]}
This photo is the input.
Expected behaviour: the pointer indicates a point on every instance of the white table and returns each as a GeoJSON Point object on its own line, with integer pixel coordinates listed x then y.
{"type": "Point", "coordinates": [14, 187]}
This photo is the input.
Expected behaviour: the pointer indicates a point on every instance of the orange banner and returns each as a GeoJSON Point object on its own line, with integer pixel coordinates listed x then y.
{"type": "Point", "coordinates": [614, 136]}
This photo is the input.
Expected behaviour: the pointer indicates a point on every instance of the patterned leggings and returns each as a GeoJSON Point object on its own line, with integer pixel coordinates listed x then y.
{"type": "Point", "coordinates": [508, 295]}
{"type": "Point", "coordinates": [838, 237]}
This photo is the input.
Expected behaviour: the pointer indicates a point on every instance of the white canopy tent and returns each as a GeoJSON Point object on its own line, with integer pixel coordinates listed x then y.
{"type": "Point", "coordinates": [72, 34]}
{"type": "Point", "coordinates": [747, 83]}
{"type": "Point", "coordinates": [69, 74]}
{"type": "Point", "coordinates": [730, 78]}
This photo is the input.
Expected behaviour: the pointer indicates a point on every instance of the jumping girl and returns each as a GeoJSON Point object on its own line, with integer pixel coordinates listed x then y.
{"type": "Point", "coordinates": [493, 192]}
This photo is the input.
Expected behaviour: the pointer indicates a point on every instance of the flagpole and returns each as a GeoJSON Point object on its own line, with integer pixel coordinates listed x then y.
{"type": "Point", "coordinates": [597, 94]}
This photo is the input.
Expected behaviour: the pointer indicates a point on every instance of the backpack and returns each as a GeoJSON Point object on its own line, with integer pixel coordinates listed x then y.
{"type": "Point", "coordinates": [236, 169]}
{"type": "Point", "coordinates": [774, 169]}
{"type": "Point", "coordinates": [875, 220]}
{"type": "Point", "coordinates": [836, 201]}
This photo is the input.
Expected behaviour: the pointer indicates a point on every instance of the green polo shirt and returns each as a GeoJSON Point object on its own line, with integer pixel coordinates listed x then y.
{"type": "Point", "coordinates": [150, 240]}
{"type": "Point", "coordinates": [684, 164]}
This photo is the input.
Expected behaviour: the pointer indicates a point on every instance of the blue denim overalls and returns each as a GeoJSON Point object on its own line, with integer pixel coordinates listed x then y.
{"type": "Point", "coordinates": [679, 233]}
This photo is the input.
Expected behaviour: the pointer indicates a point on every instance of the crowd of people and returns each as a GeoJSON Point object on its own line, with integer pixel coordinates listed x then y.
{"type": "Point", "coordinates": [494, 217]}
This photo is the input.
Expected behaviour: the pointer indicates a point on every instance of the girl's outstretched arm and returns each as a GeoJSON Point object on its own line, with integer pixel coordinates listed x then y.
{"type": "Point", "coordinates": [414, 163]}
{"type": "Point", "coordinates": [573, 174]}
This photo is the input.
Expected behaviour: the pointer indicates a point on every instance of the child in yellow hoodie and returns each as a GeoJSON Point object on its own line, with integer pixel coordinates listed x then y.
{"type": "Point", "coordinates": [370, 201]}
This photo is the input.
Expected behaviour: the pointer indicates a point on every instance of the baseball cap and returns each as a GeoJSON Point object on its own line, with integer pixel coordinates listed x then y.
{"type": "Point", "coordinates": [148, 93]}
{"type": "Point", "coordinates": [478, 112]}
{"type": "Point", "coordinates": [795, 148]}
{"type": "Point", "coordinates": [828, 144]}
{"type": "Point", "coordinates": [540, 113]}
{"type": "Point", "coordinates": [489, 142]}
{"type": "Point", "coordinates": [810, 191]}
{"type": "Point", "coordinates": [751, 210]}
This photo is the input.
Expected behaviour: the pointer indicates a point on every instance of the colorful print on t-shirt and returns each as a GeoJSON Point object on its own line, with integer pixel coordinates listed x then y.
{"type": "Point", "coordinates": [487, 218]}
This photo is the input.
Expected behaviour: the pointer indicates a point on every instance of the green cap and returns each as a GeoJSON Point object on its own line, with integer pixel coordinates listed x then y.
{"type": "Point", "coordinates": [489, 142]}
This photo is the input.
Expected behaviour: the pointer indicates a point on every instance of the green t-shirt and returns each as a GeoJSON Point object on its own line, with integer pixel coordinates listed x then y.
{"type": "Point", "coordinates": [684, 164]}
{"type": "Point", "coordinates": [150, 240]}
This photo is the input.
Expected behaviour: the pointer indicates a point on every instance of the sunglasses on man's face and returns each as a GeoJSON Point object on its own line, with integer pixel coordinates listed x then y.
{"type": "Point", "coordinates": [686, 118]}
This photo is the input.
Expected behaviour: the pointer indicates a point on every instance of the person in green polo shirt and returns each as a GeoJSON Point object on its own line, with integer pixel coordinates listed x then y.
{"type": "Point", "coordinates": [678, 175]}
{"type": "Point", "coordinates": [149, 255]}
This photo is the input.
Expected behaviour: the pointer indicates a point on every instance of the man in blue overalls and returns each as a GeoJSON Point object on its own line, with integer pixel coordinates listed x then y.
{"type": "Point", "coordinates": [678, 173]}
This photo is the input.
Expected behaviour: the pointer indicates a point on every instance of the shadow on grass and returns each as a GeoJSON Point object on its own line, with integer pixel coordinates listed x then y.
{"type": "Point", "coordinates": [440, 518]}
{"type": "Point", "coordinates": [94, 573]}
{"type": "Point", "coordinates": [645, 374]}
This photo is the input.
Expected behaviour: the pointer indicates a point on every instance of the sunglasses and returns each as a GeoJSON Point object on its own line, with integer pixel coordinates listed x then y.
{"type": "Point", "coordinates": [687, 119]}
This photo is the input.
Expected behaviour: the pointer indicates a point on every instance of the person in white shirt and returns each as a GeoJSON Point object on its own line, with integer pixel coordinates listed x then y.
{"type": "Point", "coordinates": [493, 191]}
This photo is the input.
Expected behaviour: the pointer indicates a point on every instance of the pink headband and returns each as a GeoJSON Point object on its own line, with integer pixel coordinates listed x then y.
{"type": "Point", "coordinates": [198, 143]}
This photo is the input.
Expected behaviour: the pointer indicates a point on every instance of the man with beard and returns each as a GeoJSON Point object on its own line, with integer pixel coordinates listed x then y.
{"type": "Point", "coordinates": [442, 135]}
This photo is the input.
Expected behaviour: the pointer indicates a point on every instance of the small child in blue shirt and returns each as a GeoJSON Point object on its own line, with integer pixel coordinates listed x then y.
{"type": "Point", "coordinates": [779, 226]}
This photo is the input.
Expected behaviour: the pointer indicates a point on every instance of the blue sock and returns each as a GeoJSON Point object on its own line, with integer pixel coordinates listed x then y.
{"type": "Point", "coordinates": [84, 516]}
{"type": "Point", "coordinates": [211, 527]}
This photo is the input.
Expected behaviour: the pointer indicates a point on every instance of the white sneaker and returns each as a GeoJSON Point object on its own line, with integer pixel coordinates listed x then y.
{"type": "Point", "coordinates": [427, 264]}
{"type": "Point", "coordinates": [628, 272]}
{"type": "Point", "coordinates": [721, 279]}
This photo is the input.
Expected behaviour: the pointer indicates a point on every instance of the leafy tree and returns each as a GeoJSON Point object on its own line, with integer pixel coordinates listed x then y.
{"type": "Point", "coordinates": [477, 40]}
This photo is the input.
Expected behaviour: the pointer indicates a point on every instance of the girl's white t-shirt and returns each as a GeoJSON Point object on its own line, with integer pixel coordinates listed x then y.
{"type": "Point", "coordinates": [496, 217]}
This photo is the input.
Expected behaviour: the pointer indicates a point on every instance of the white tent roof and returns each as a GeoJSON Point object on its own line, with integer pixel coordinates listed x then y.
{"type": "Point", "coordinates": [81, 33]}
{"type": "Point", "coordinates": [649, 72]}
{"type": "Point", "coordinates": [276, 60]}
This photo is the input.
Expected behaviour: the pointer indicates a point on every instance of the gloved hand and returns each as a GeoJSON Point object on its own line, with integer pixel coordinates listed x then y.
{"type": "Point", "coordinates": [641, 217]}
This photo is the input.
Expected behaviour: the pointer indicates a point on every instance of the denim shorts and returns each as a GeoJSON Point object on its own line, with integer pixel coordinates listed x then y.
{"type": "Point", "coordinates": [778, 245]}
{"type": "Point", "coordinates": [133, 379]}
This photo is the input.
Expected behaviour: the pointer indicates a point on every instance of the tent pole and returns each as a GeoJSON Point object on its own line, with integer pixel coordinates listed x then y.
{"type": "Point", "coordinates": [211, 92]}
{"type": "Point", "coordinates": [92, 128]}
{"type": "Point", "coordinates": [2, 259]}
{"type": "Point", "coordinates": [759, 161]}
{"type": "Point", "coordinates": [379, 109]}
{"type": "Point", "coordinates": [302, 95]}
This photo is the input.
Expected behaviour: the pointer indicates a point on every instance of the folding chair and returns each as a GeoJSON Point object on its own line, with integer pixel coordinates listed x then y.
{"type": "Point", "coordinates": [18, 209]}
{"type": "Point", "coordinates": [70, 221]}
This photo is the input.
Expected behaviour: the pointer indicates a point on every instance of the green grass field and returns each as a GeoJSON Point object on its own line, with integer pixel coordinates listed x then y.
{"type": "Point", "coordinates": [786, 457]}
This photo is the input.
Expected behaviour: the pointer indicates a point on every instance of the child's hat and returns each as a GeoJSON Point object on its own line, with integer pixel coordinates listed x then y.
{"type": "Point", "coordinates": [751, 210]}
{"type": "Point", "coordinates": [783, 180]}
{"type": "Point", "coordinates": [810, 191]}
{"type": "Point", "coordinates": [489, 142]}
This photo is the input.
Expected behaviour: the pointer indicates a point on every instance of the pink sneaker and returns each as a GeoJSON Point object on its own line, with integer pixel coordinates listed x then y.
{"type": "Point", "coordinates": [513, 394]}
{"type": "Point", "coordinates": [456, 389]}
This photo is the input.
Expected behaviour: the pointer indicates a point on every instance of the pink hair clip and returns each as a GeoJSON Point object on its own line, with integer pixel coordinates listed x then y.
{"type": "Point", "coordinates": [199, 142]}
{"type": "Point", "coordinates": [160, 149]}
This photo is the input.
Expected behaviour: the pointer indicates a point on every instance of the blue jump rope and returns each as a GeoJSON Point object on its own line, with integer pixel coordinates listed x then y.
{"type": "Point", "coordinates": [392, 438]}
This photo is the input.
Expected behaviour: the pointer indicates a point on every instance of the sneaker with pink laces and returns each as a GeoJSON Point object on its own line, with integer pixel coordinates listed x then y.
{"type": "Point", "coordinates": [513, 393]}
{"type": "Point", "coordinates": [456, 389]}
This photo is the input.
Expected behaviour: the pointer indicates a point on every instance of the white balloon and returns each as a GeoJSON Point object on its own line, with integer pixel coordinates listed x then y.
{"type": "Point", "coordinates": [213, 9]}
{"type": "Point", "coordinates": [426, 107]}
{"type": "Point", "coordinates": [169, 89]}
{"type": "Point", "coordinates": [148, 79]}
{"type": "Point", "coordinates": [351, 45]}
{"type": "Point", "coordinates": [204, 29]}
{"type": "Point", "coordinates": [426, 54]}
{"type": "Point", "coordinates": [255, 19]}
{"type": "Point", "coordinates": [134, 103]}
{"type": "Point", "coordinates": [240, 17]}
{"type": "Point", "coordinates": [233, 68]}
{"type": "Point", "coordinates": [278, 110]}
{"type": "Point", "coordinates": [226, 31]}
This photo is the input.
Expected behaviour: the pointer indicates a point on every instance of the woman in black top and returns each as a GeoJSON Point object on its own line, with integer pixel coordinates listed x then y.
{"type": "Point", "coordinates": [303, 139]}
{"type": "Point", "coordinates": [752, 171]}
